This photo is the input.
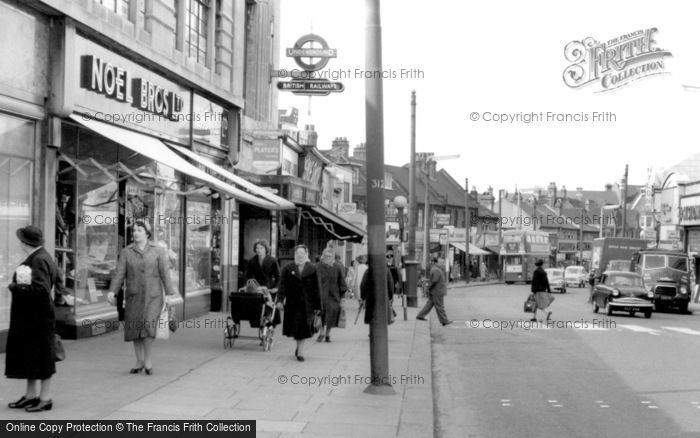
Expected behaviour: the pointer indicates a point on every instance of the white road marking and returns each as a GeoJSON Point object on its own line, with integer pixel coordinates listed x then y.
{"type": "Point", "coordinates": [551, 401]}
{"type": "Point", "coordinates": [695, 403]}
{"type": "Point", "coordinates": [505, 404]}
{"type": "Point", "coordinates": [604, 406]}
{"type": "Point", "coordinates": [639, 328]}
{"type": "Point", "coordinates": [684, 330]}
{"type": "Point", "coordinates": [646, 402]}
{"type": "Point", "coordinates": [599, 401]}
{"type": "Point", "coordinates": [652, 407]}
{"type": "Point", "coordinates": [557, 406]}
{"type": "Point", "coordinates": [505, 400]}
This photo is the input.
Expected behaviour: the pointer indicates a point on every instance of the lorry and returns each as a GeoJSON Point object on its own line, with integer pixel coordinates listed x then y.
{"type": "Point", "coordinates": [666, 273]}
{"type": "Point", "coordinates": [614, 253]}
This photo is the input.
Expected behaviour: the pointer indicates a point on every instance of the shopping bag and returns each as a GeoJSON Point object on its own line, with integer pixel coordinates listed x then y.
{"type": "Point", "coordinates": [529, 305]}
{"type": "Point", "coordinates": [163, 324]}
{"type": "Point", "coordinates": [60, 351]}
{"type": "Point", "coordinates": [318, 324]}
{"type": "Point", "coordinates": [341, 318]}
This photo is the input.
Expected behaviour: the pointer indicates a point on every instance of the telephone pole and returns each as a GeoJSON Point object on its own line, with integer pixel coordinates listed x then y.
{"type": "Point", "coordinates": [467, 226]}
{"type": "Point", "coordinates": [624, 204]}
{"type": "Point", "coordinates": [411, 263]}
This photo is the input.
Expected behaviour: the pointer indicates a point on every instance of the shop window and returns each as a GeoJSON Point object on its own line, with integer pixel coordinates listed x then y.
{"type": "Point", "coordinates": [198, 251]}
{"type": "Point", "coordinates": [196, 29]}
{"type": "Point", "coordinates": [16, 176]}
{"type": "Point", "coordinates": [101, 189]}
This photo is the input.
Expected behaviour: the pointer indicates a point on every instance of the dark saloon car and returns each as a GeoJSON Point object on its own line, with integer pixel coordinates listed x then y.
{"type": "Point", "coordinates": [623, 292]}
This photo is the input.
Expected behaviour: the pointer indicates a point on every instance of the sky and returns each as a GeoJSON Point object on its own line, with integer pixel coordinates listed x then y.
{"type": "Point", "coordinates": [481, 59]}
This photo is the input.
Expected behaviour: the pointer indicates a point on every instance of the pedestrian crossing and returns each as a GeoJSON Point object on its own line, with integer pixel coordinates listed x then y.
{"type": "Point", "coordinates": [596, 325]}
{"type": "Point", "coordinates": [645, 403]}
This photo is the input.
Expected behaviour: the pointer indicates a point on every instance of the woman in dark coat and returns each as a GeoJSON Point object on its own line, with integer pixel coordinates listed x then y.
{"type": "Point", "coordinates": [367, 295]}
{"type": "Point", "coordinates": [332, 289]}
{"type": "Point", "coordinates": [144, 265]}
{"type": "Point", "coordinates": [540, 287]}
{"type": "Point", "coordinates": [31, 352]}
{"type": "Point", "coordinates": [299, 290]}
{"type": "Point", "coordinates": [263, 268]}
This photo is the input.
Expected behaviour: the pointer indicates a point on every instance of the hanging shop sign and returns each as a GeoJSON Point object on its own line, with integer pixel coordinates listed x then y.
{"type": "Point", "coordinates": [311, 59]}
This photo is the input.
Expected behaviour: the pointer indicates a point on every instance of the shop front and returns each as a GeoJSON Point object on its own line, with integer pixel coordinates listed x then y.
{"type": "Point", "coordinates": [23, 92]}
{"type": "Point", "coordinates": [134, 145]}
{"type": "Point", "coordinates": [690, 223]}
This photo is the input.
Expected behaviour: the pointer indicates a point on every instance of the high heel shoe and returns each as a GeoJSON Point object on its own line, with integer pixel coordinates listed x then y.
{"type": "Point", "coordinates": [24, 402]}
{"type": "Point", "coordinates": [148, 371]}
{"type": "Point", "coordinates": [328, 338]}
{"type": "Point", "coordinates": [43, 405]}
{"type": "Point", "coordinates": [136, 370]}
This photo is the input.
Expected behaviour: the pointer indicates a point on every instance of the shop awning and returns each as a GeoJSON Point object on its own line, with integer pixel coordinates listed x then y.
{"type": "Point", "coordinates": [282, 203]}
{"type": "Point", "coordinates": [334, 224]}
{"type": "Point", "coordinates": [156, 150]}
{"type": "Point", "coordinates": [473, 249]}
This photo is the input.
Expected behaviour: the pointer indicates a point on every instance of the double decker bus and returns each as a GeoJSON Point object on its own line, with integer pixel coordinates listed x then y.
{"type": "Point", "coordinates": [520, 250]}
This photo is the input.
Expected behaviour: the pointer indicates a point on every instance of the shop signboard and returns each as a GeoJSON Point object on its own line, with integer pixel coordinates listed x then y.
{"type": "Point", "coordinates": [690, 210]}
{"type": "Point", "coordinates": [266, 155]}
{"type": "Point", "coordinates": [442, 219]}
{"type": "Point", "coordinates": [104, 86]}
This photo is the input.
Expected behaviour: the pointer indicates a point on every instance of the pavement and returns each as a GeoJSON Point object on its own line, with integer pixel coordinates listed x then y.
{"type": "Point", "coordinates": [195, 378]}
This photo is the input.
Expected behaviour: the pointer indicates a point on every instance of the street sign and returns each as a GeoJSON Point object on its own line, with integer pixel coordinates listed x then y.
{"type": "Point", "coordinates": [324, 53]}
{"type": "Point", "coordinates": [319, 87]}
{"type": "Point", "coordinates": [311, 53]}
{"type": "Point", "coordinates": [443, 219]}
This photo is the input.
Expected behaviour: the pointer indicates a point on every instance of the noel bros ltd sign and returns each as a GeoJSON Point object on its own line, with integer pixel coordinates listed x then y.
{"type": "Point", "coordinates": [116, 83]}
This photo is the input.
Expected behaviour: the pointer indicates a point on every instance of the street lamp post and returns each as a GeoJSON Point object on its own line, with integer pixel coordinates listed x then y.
{"type": "Point", "coordinates": [376, 239]}
{"type": "Point", "coordinates": [400, 203]}
{"type": "Point", "coordinates": [411, 263]}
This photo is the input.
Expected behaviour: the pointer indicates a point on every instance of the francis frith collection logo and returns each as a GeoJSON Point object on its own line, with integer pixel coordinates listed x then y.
{"type": "Point", "coordinates": [614, 63]}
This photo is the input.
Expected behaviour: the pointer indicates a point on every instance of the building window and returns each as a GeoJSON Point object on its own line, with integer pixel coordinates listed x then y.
{"type": "Point", "coordinates": [141, 12]}
{"type": "Point", "coordinates": [388, 181]}
{"type": "Point", "coordinates": [355, 176]}
{"type": "Point", "coordinates": [120, 7]}
{"type": "Point", "coordinates": [196, 29]}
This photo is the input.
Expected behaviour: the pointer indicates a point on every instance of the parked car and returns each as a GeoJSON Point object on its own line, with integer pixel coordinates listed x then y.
{"type": "Point", "coordinates": [575, 276]}
{"type": "Point", "coordinates": [622, 291]}
{"type": "Point", "coordinates": [556, 279]}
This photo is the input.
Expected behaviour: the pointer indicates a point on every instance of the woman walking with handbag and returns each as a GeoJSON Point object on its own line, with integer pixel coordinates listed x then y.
{"type": "Point", "coordinates": [540, 287]}
{"type": "Point", "coordinates": [31, 348]}
{"type": "Point", "coordinates": [299, 291]}
{"type": "Point", "coordinates": [332, 289]}
{"type": "Point", "coordinates": [144, 265]}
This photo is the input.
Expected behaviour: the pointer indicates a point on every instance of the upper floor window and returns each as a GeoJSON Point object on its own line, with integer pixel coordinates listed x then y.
{"type": "Point", "coordinates": [196, 29]}
{"type": "Point", "coordinates": [120, 7]}
{"type": "Point", "coordinates": [356, 176]}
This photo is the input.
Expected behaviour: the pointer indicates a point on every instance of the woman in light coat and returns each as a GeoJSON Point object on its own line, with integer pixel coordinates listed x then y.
{"type": "Point", "coordinates": [144, 265]}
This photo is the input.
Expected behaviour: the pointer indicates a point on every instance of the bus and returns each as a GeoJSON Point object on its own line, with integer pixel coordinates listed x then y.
{"type": "Point", "coordinates": [520, 250]}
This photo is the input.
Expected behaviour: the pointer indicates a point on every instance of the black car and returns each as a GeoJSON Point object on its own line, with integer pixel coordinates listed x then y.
{"type": "Point", "coordinates": [622, 291]}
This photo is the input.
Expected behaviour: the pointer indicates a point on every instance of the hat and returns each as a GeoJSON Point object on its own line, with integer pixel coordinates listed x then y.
{"type": "Point", "coordinates": [539, 262]}
{"type": "Point", "coordinates": [31, 235]}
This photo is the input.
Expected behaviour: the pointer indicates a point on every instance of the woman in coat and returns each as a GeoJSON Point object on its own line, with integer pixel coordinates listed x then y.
{"type": "Point", "coordinates": [540, 287]}
{"type": "Point", "coordinates": [144, 265]}
{"type": "Point", "coordinates": [299, 290]}
{"type": "Point", "coordinates": [332, 289]}
{"type": "Point", "coordinates": [360, 270]}
{"type": "Point", "coordinates": [367, 295]}
{"type": "Point", "coordinates": [30, 351]}
{"type": "Point", "coordinates": [263, 268]}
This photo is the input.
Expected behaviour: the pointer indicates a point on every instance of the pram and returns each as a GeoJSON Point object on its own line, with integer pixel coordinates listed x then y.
{"type": "Point", "coordinates": [256, 304]}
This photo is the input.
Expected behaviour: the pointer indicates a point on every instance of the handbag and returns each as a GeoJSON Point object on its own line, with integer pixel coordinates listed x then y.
{"type": "Point", "coordinates": [172, 320]}
{"type": "Point", "coordinates": [530, 304]}
{"type": "Point", "coordinates": [163, 325]}
{"type": "Point", "coordinates": [60, 351]}
{"type": "Point", "coordinates": [317, 323]}
{"type": "Point", "coordinates": [341, 318]}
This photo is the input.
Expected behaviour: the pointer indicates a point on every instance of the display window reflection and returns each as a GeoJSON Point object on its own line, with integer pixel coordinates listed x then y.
{"type": "Point", "coordinates": [198, 219]}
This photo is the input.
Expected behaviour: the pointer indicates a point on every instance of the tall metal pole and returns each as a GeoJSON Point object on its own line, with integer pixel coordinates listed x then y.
{"type": "Point", "coordinates": [376, 248]}
{"type": "Point", "coordinates": [402, 266]}
{"type": "Point", "coordinates": [426, 216]}
{"type": "Point", "coordinates": [624, 204]}
{"type": "Point", "coordinates": [411, 266]}
{"type": "Point", "coordinates": [500, 231]}
{"type": "Point", "coordinates": [467, 226]}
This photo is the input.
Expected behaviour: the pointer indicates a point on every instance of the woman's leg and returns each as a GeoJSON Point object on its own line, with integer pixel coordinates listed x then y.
{"type": "Point", "coordinates": [138, 350]}
{"type": "Point", "coordinates": [300, 347]}
{"type": "Point", "coordinates": [45, 389]}
{"type": "Point", "coordinates": [147, 349]}
{"type": "Point", "coordinates": [31, 389]}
